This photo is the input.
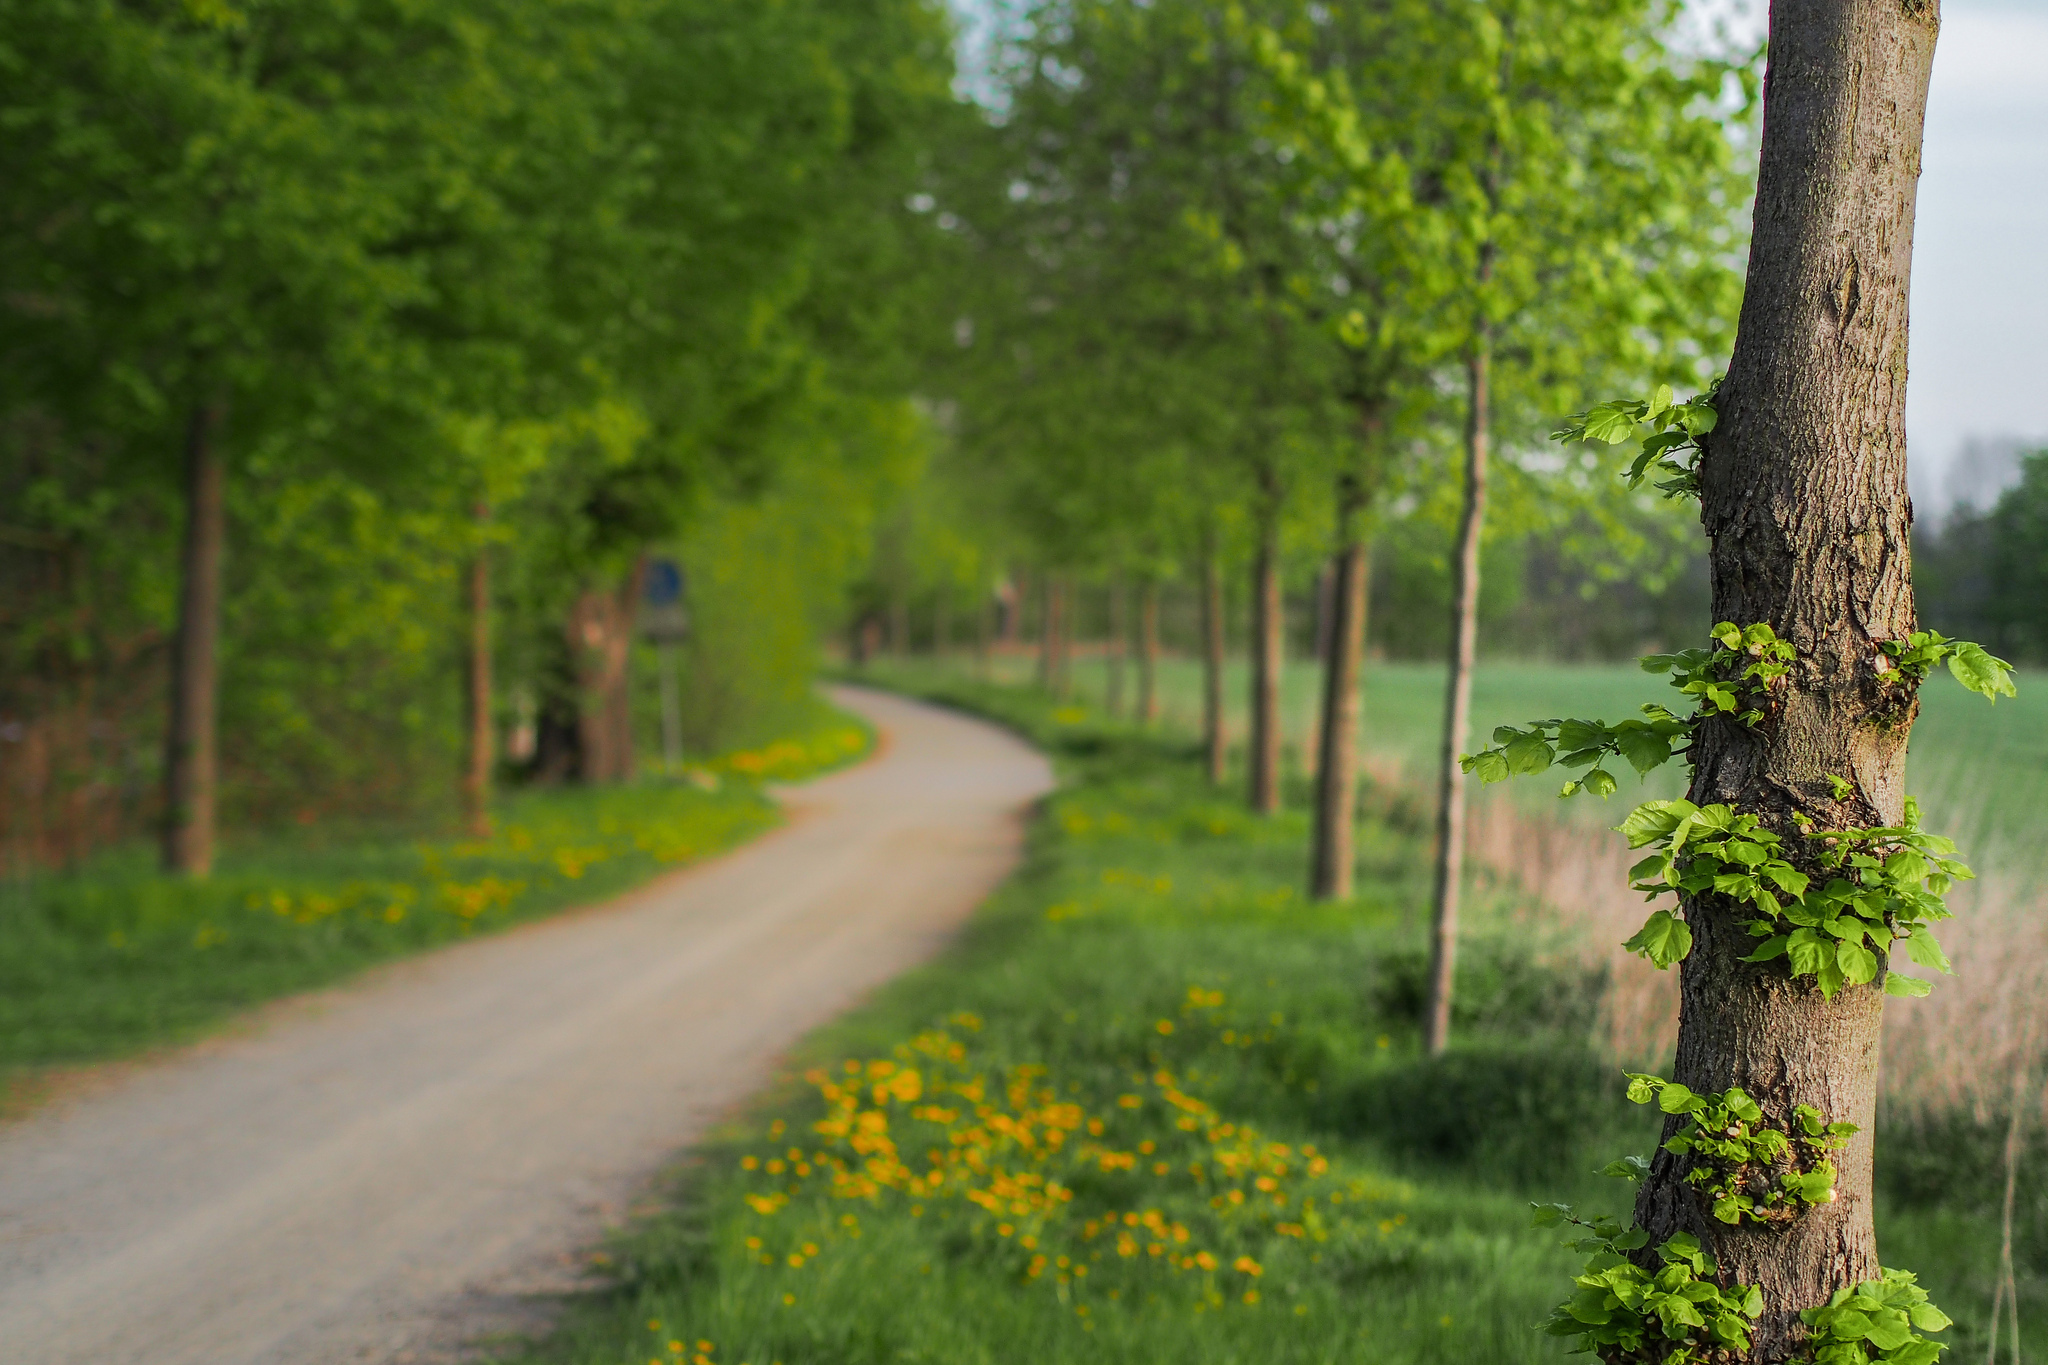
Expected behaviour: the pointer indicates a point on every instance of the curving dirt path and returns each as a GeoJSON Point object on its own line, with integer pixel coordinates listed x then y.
{"type": "Point", "coordinates": [378, 1173]}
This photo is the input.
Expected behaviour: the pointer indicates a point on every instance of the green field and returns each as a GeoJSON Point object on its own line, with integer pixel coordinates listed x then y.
{"type": "Point", "coordinates": [1165, 1110]}
{"type": "Point", "coordinates": [113, 955]}
{"type": "Point", "coordinates": [1957, 741]}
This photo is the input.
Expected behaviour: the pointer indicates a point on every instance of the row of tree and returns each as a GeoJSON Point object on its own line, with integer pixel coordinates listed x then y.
{"type": "Point", "coordinates": [334, 331]}
{"type": "Point", "coordinates": [1243, 286]}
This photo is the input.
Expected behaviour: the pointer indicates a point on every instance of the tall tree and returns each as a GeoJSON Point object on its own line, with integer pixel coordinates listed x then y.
{"type": "Point", "coordinates": [1803, 493]}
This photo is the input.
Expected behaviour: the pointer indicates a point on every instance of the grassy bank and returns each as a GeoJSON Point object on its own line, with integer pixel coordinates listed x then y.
{"type": "Point", "coordinates": [1153, 1106]}
{"type": "Point", "coordinates": [113, 956]}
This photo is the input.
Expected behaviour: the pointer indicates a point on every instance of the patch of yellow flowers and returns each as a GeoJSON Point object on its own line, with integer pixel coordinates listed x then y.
{"type": "Point", "coordinates": [1155, 1184]}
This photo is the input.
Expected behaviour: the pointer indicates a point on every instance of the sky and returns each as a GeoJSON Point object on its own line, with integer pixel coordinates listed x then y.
{"type": "Point", "coordinates": [1978, 364]}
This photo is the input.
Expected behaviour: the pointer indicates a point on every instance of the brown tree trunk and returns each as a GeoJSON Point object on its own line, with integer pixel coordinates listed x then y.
{"type": "Point", "coordinates": [1052, 653]}
{"type": "Point", "coordinates": [1337, 759]}
{"type": "Point", "coordinates": [601, 639]}
{"type": "Point", "coordinates": [1148, 653]}
{"type": "Point", "coordinates": [1048, 637]}
{"type": "Point", "coordinates": [1267, 624]}
{"type": "Point", "coordinates": [476, 781]}
{"type": "Point", "coordinates": [1215, 738]}
{"type": "Point", "coordinates": [1119, 629]}
{"type": "Point", "coordinates": [1450, 811]}
{"type": "Point", "coordinates": [1804, 500]}
{"type": "Point", "coordinates": [192, 742]}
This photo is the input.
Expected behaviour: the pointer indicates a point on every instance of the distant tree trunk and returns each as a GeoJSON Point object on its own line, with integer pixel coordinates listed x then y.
{"type": "Point", "coordinates": [983, 631]}
{"type": "Point", "coordinates": [1326, 603]}
{"type": "Point", "coordinates": [601, 640]}
{"type": "Point", "coordinates": [1119, 631]}
{"type": "Point", "coordinates": [1215, 739]}
{"type": "Point", "coordinates": [476, 783]}
{"type": "Point", "coordinates": [1063, 641]}
{"type": "Point", "coordinates": [1268, 622]}
{"type": "Point", "coordinates": [942, 624]}
{"type": "Point", "coordinates": [1804, 501]}
{"type": "Point", "coordinates": [1337, 762]}
{"type": "Point", "coordinates": [1450, 811]}
{"type": "Point", "coordinates": [1148, 653]}
{"type": "Point", "coordinates": [192, 744]}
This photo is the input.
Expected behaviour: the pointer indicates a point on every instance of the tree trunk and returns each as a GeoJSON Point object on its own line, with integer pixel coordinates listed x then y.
{"type": "Point", "coordinates": [192, 743]}
{"type": "Point", "coordinates": [1119, 629]}
{"type": "Point", "coordinates": [899, 623]}
{"type": "Point", "coordinates": [1048, 648]}
{"type": "Point", "coordinates": [1267, 623]}
{"type": "Point", "coordinates": [601, 639]}
{"type": "Point", "coordinates": [1804, 500]}
{"type": "Point", "coordinates": [942, 625]}
{"type": "Point", "coordinates": [1052, 654]}
{"type": "Point", "coordinates": [1215, 739]}
{"type": "Point", "coordinates": [1148, 653]}
{"type": "Point", "coordinates": [1450, 812]}
{"type": "Point", "coordinates": [1337, 759]}
{"type": "Point", "coordinates": [476, 781]}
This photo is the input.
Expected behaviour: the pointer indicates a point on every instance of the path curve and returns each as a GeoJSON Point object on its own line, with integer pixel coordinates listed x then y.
{"type": "Point", "coordinates": [380, 1171]}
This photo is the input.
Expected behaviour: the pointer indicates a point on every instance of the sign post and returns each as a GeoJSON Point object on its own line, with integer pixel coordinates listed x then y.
{"type": "Point", "coordinates": [666, 622]}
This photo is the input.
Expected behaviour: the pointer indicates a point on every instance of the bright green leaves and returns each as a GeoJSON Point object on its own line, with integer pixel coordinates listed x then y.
{"type": "Point", "coordinates": [1886, 886]}
{"type": "Point", "coordinates": [1742, 1169]}
{"type": "Point", "coordinates": [1663, 939]}
{"type": "Point", "coordinates": [1971, 664]}
{"type": "Point", "coordinates": [1642, 744]}
{"type": "Point", "coordinates": [1677, 1313]}
{"type": "Point", "coordinates": [1734, 676]}
{"type": "Point", "coordinates": [1671, 449]}
{"type": "Point", "coordinates": [1875, 1321]}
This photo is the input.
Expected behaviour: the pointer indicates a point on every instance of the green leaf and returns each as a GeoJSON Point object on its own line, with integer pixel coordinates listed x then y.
{"type": "Point", "coordinates": [1771, 948]}
{"type": "Point", "coordinates": [1921, 947]}
{"type": "Point", "coordinates": [1490, 765]}
{"type": "Point", "coordinates": [1928, 1318]}
{"type": "Point", "coordinates": [1611, 423]}
{"type": "Point", "coordinates": [1981, 672]}
{"type": "Point", "coordinates": [1915, 1353]}
{"type": "Point", "coordinates": [1528, 752]}
{"type": "Point", "coordinates": [1654, 820]}
{"type": "Point", "coordinates": [1909, 986]}
{"type": "Point", "coordinates": [1678, 1099]}
{"type": "Point", "coordinates": [1644, 749]}
{"type": "Point", "coordinates": [1599, 782]}
{"type": "Point", "coordinates": [1663, 939]}
{"type": "Point", "coordinates": [1857, 962]}
{"type": "Point", "coordinates": [1550, 1215]}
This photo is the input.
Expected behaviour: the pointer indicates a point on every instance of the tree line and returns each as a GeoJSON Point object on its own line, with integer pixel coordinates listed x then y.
{"type": "Point", "coordinates": [356, 356]}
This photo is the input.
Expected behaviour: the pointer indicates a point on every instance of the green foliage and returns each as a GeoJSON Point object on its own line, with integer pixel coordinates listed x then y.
{"type": "Point", "coordinates": [1741, 1168]}
{"type": "Point", "coordinates": [1971, 664]}
{"type": "Point", "coordinates": [1877, 1320]}
{"type": "Point", "coordinates": [1734, 675]}
{"type": "Point", "coordinates": [1676, 1314]}
{"type": "Point", "coordinates": [1673, 446]}
{"type": "Point", "coordinates": [1731, 676]}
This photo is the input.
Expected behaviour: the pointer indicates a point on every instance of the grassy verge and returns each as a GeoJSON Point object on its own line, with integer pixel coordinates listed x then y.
{"type": "Point", "coordinates": [112, 957]}
{"type": "Point", "coordinates": [1153, 1106]}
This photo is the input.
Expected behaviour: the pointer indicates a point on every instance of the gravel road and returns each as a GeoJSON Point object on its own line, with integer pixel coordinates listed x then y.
{"type": "Point", "coordinates": [381, 1172]}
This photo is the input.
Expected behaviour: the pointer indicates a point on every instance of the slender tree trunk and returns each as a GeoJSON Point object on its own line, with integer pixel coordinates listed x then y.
{"type": "Point", "coordinates": [1215, 738]}
{"type": "Point", "coordinates": [1450, 812]}
{"type": "Point", "coordinates": [1054, 626]}
{"type": "Point", "coordinates": [1148, 653]}
{"type": "Point", "coordinates": [1119, 630]}
{"type": "Point", "coordinates": [983, 630]}
{"type": "Point", "coordinates": [1063, 640]}
{"type": "Point", "coordinates": [1804, 501]}
{"type": "Point", "coordinates": [1267, 623]}
{"type": "Point", "coordinates": [192, 742]}
{"type": "Point", "coordinates": [476, 781]}
{"type": "Point", "coordinates": [1337, 761]}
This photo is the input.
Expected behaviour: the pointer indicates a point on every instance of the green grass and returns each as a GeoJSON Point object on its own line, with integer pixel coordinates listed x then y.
{"type": "Point", "coordinates": [1154, 966]}
{"type": "Point", "coordinates": [114, 956]}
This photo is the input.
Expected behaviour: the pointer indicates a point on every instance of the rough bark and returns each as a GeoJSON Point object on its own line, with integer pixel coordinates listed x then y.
{"type": "Point", "coordinates": [192, 741]}
{"type": "Point", "coordinates": [1330, 865]}
{"type": "Point", "coordinates": [1148, 654]}
{"type": "Point", "coordinates": [476, 778]}
{"type": "Point", "coordinates": [1119, 632]}
{"type": "Point", "coordinates": [1267, 622]}
{"type": "Point", "coordinates": [1450, 811]}
{"type": "Point", "coordinates": [1215, 738]}
{"type": "Point", "coordinates": [1804, 500]}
